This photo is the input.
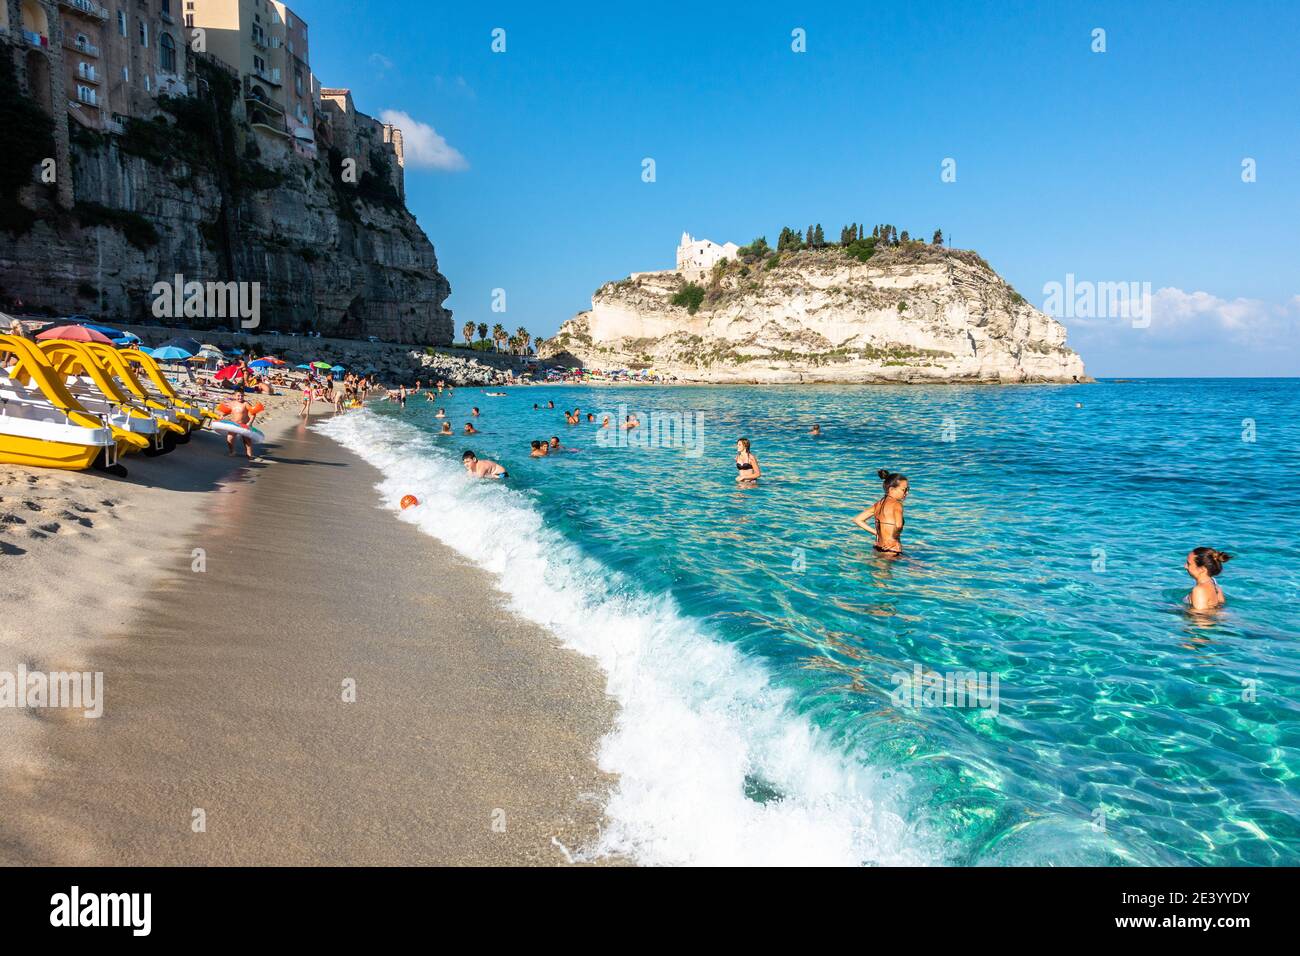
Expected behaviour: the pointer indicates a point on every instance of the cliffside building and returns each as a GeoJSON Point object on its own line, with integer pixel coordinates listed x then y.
{"type": "Point", "coordinates": [266, 43]}
{"type": "Point", "coordinates": [376, 146]}
{"type": "Point", "coordinates": [697, 256]}
{"type": "Point", "coordinates": [100, 64]}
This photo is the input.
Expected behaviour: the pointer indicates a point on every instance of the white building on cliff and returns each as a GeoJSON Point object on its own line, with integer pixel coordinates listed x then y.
{"type": "Point", "coordinates": [697, 256]}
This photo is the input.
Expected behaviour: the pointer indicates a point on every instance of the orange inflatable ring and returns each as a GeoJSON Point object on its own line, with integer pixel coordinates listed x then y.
{"type": "Point", "coordinates": [408, 501]}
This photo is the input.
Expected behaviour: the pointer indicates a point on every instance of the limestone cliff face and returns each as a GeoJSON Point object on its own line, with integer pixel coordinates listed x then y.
{"type": "Point", "coordinates": [197, 197]}
{"type": "Point", "coordinates": [915, 314]}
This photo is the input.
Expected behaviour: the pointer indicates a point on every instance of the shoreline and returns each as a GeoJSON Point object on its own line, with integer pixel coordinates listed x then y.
{"type": "Point", "coordinates": [472, 738]}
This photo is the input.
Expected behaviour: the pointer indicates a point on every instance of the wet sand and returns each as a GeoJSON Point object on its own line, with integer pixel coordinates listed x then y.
{"type": "Point", "coordinates": [471, 739]}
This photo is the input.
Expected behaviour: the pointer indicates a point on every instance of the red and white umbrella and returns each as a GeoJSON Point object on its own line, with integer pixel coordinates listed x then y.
{"type": "Point", "coordinates": [74, 333]}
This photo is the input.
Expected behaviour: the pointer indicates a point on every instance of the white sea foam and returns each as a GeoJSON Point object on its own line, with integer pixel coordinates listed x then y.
{"type": "Point", "coordinates": [699, 723]}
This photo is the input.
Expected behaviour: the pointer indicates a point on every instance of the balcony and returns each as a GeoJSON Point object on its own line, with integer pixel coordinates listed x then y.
{"type": "Point", "coordinates": [85, 49]}
{"type": "Point", "coordinates": [268, 76]}
{"type": "Point", "coordinates": [87, 74]}
{"type": "Point", "coordinates": [89, 97]}
{"type": "Point", "coordinates": [32, 38]}
{"type": "Point", "coordinates": [86, 7]}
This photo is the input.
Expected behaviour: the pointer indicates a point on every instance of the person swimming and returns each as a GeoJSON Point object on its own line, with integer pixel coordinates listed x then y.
{"type": "Point", "coordinates": [540, 449]}
{"type": "Point", "coordinates": [571, 418]}
{"type": "Point", "coordinates": [604, 423]}
{"type": "Point", "coordinates": [747, 468]}
{"type": "Point", "coordinates": [482, 467]}
{"type": "Point", "coordinates": [555, 443]}
{"type": "Point", "coordinates": [442, 413]}
{"type": "Point", "coordinates": [816, 431]}
{"type": "Point", "coordinates": [1204, 565]}
{"type": "Point", "coordinates": [474, 411]}
{"type": "Point", "coordinates": [888, 514]}
{"type": "Point", "coordinates": [590, 418]}
{"type": "Point", "coordinates": [469, 428]}
{"type": "Point", "coordinates": [446, 428]}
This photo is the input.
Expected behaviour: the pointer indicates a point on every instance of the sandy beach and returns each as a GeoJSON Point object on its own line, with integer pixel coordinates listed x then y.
{"type": "Point", "coordinates": [226, 737]}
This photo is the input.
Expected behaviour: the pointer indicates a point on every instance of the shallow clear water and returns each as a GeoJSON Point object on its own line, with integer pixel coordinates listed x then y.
{"type": "Point", "coordinates": [755, 640]}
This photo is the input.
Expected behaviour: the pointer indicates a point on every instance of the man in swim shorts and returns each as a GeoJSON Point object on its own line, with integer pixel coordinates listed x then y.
{"type": "Point", "coordinates": [242, 416]}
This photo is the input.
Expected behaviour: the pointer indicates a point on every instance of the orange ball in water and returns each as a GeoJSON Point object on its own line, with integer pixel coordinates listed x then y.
{"type": "Point", "coordinates": [408, 501]}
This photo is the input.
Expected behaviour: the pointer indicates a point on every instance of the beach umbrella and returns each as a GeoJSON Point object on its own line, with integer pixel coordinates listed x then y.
{"type": "Point", "coordinates": [146, 351]}
{"type": "Point", "coordinates": [185, 344]}
{"type": "Point", "coordinates": [74, 333]}
{"type": "Point", "coordinates": [261, 363]}
{"type": "Point", "coordinates": [224, 374]}
{"type": "Point", "coordinates": [337, 368]}
{"type": "Point", "coordinates": [208, 348]}
{"type": "Point", "coordinates": [324, 365]}
{"type": "Point", "coordinates": [104, 330]}
{"type": "Point", "coordinates": [304, 366]}
{"type": "Point", "coordinates": [271, 360]}
{"type": "Point", "coordinates": [126, 339]}
{"type": "Point", "coordinates": [171, 353]}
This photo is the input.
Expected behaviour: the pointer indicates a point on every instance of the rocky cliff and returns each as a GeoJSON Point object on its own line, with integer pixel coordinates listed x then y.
{"type": "Point", "coordinates": [913, 313]}
{"type": "Point", "coordinates": [192, 191]}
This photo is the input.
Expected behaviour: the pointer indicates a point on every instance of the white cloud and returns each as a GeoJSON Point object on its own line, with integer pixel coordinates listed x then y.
{"type": "Point", "coordinates": [424, 148]}
{"type": "Point", "coordinates": [1240, 319]}
{"type": "Point", "coordinates": [381, 61]}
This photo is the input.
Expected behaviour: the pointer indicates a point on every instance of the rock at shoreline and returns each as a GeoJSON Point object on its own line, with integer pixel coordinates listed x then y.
{"type": "Point", "coordinates": [908, 314]}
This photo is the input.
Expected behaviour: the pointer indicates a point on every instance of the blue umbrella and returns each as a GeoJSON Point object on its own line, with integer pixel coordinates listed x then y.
{"type": "Point", "coordinates": [170, 353]}
{"type": "Point", "coordinates": [304, 366]}
{"type": "Point", "coordinates": [338, 368]}
{"type": "Point", "coordinates": [260, 363]}
{"type": "Point", "coordinates": [146, 351]}
{"type": "Point", "coordinates": [104, 330]}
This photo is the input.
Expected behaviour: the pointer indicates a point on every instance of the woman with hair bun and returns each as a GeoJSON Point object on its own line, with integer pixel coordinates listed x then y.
{"type": "Point", "coordinates": [887, 513]}
{"type": "Point", "coordinates": [1204, 565]}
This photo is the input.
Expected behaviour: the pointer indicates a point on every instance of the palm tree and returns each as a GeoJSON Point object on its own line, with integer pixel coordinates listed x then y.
{"type": "Point", "coordinates": [524, 339]}
{"type": "Point", "coordinates": [499, 335]}
{"type": "Point", "coordinates": [482, 331]}
{"type": "Point", "coordinates": [468, 332]}
{"type": "Point", "coordinates": [513, 342]}
{"type": "Point", "coordinates": [537, 345]}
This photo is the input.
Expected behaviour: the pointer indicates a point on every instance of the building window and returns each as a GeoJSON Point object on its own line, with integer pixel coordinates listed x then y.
{"type": "Point", "coordinates": [126, 74]}
{"type": "Point", "coordinates": [144, 33]}
{"type": "Point", "coordinates": [121, 22]}
{"type": "Point", "coordinates": [297, 80]}
{"type": "Point", "coordinates": [167, 53]}
{"type": "Point", "coordinates": [148, 84]}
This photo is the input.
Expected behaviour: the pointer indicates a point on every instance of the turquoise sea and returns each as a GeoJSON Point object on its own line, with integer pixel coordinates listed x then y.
{"type": "Point", "coordinates": [764, 656]}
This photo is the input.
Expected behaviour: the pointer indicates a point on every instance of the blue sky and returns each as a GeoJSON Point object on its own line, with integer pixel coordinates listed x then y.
{"type": "Point", "coordinates": [1122, 166]}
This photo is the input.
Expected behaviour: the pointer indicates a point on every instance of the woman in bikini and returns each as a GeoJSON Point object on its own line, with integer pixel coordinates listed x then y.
{"type": "Point", "coordinates": [887, 513]}
{"type": "Point", "coordinates": [1204, 565]}
{"type": "Point", "coordinates": [747, 469]}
